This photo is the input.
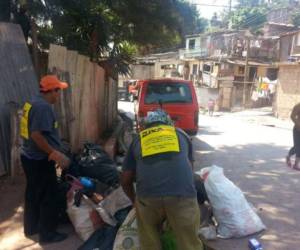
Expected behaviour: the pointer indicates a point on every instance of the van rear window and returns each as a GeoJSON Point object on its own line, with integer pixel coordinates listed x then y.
{"type": "Point", "coordinates": [168, 93]}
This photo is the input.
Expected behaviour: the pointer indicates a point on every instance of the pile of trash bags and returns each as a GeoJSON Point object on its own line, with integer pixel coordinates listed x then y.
{"type": "Point", "coordinates": [101, 213]}
{"type": "Point", "coordinates": [105, 219]}
{"type": "Point", "coordinates": [96, 204]}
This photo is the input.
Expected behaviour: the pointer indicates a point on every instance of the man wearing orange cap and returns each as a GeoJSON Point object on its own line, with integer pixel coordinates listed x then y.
{"type": "Point", "coordinates": [40, 154]}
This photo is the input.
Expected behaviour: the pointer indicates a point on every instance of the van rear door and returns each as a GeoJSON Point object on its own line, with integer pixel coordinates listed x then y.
{"type": "Point", "coordinates": [177, 98]}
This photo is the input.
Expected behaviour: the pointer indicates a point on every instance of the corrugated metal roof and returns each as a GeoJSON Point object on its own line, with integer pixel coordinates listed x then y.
{"type": "Point", "coordinates": [290, 33]}
{"type": "Point", "coordinates": [251, 63]}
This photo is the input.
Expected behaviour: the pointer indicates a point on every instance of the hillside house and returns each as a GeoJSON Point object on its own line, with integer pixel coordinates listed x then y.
{"type": "Point", "coordinates": [288, 88]}
{"type": "Point", "coordinates": [218, 60]}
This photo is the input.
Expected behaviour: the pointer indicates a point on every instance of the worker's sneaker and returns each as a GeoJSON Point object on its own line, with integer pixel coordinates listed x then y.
{"type": "Point", "coordinates": [52, 237]}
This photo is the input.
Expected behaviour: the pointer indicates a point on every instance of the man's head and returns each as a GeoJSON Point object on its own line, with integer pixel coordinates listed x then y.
{"type": "Point", "coordinates": [50, 87]}
{"type": "Point", "coordinates": [157, 117]}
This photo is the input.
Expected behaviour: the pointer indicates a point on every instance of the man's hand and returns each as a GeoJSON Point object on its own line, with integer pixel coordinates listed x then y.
{"type": "Point", "coordinates": [62, 161]}
{"type": "Point", "coordinates": [53, 155]}
{"type": "Point", "coordinates": [127, 179]}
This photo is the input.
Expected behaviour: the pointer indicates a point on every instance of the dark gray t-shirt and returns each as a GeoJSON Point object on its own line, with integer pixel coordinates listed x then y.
{"type": "Point", "coordinates": [42, 119]}
{"type": "Point", "coordinates": [166, 174]}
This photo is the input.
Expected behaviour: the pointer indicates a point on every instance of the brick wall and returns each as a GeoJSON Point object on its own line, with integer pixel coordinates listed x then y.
{"type": "Point", "coordinates": [288, 90]}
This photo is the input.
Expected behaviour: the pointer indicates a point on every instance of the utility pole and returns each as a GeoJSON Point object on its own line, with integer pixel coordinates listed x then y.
{"type": "Point", "coordinates": [246, 74]}
{"type": "Point", "coordinates": [229, 14]}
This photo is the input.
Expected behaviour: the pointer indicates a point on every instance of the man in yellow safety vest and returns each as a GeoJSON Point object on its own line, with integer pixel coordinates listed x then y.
{"type": "Point", "coordinates": [40, 154]}
{"type": "Point", "coordinates": [160, 160]}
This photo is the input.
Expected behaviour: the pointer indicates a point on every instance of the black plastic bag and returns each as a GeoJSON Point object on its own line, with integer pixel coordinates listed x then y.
{"type": "Point", "coordinates": [95, 163]}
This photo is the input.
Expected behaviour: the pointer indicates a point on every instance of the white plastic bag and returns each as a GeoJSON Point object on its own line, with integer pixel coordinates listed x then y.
{"type": "Point", "coordinates": [127, 236]}
{"type": "Point", "coordinates": [81, 217]}
{"type": "Point", "coordinates": [114, 202]}
{"type": "Point", "coordinates": [234, 215]}
{"type": "Point", "coordinates": [208, 233]}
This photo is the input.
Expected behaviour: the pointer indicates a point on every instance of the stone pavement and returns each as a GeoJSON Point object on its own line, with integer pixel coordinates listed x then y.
{"type": "Point", "coordinates": [251, 146]}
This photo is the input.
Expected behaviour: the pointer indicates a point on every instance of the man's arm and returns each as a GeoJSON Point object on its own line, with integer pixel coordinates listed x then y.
{"type": "Point", "coordinates": [61, 160]}
{"type": "Point", "coordinates": [41, 142]}
{"type": "Point", "coordinates": [127, 180]}
{"type": "Point", "coordinates": [295, 116]}
{"type": "Point", "coordinates": [190, 147]}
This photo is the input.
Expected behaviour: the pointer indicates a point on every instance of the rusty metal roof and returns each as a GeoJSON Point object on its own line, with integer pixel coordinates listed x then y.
{"type": "Point", "coordinates": [17, 84]}
{"type": "Point", "coordinates": [252, 63]}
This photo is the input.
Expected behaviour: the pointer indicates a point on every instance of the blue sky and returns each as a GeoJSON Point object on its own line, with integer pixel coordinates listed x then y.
{"type": "Point", "coordinates": [208, 11]}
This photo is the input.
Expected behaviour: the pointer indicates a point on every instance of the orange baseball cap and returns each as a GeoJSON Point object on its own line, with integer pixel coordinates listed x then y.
{"type": "Point", "coordinates": [51, 82]}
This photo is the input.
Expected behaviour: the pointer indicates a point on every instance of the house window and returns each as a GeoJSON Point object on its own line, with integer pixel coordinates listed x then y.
{"type": "Point", "coordinates": [192, 43]}
{"type": "Point", "coordinates": [272, 74]}
{"type": "Point", "coordinates": [206, 68]}
{"type": "Point", "coordinates": [168, 66]}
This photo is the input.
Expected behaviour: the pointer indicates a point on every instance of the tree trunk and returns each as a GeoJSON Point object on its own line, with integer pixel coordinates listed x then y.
{"type": "Point", "coordinates": [94, 45]}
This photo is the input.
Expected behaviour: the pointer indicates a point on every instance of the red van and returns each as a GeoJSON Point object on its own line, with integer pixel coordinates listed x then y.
{"type": "Point", "coordinates": [177, 97]}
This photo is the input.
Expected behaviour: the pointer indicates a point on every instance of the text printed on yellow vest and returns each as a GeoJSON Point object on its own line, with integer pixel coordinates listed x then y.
{"type": "Point", "coordinates": [159, 139]}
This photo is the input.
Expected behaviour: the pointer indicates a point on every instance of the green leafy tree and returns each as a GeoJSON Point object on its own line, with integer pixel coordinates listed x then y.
{"type": "Point", "coordinates": [248, 18]}
{"type": "Point", "coordinates": [249, 3]}
{"type": "Point", "coordinates": [248, 14]}
{"type": "Point", "coordinates": [101, 28]}
{"type": "Point", "coordinates": [296, 19]}
{"type": "Point", "coordinates": [5, 10]}
{"type": "Point", "coordinates": [112, 29]}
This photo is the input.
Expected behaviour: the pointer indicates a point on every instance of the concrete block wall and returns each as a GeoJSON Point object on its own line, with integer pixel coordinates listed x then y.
{"type": "Point", "coordinates": [142, 71]}
{"type": "Point", "coordinates": [204, 94]}
{"type": "Point", "coordinates": [288, 90]}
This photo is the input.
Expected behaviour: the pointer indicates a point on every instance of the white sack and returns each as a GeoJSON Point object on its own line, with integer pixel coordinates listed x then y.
{"type": "Point", "coordinates": [234, 215]}
{"type": "Point", "coordinates": [127, 236]}
{"type": "Point", "coordinates": [80, 217]}
{"type": "Point", "coordinates": [114, 202]}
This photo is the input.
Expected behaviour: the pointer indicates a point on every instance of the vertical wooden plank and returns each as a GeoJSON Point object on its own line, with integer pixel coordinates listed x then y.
{"type": "Point", "coordinates": [106, 104]}
{"type": "Point", "coordinates": [100, 94]}
{"type": "Point", "coordinates": [71, 64]}
{"type": "Point", "coordinates": [93, 111]}
{"type": "Point", "coordinates": [83, 125]}
{"type": "Point", "coordinates": [71, 68]}
{"type": "Point", "coordinates": [52, 58]}
{"type": "Point", "coordinates": [89, 105]}
{"type": "Point", "coordinates": [58, 67]}
{"type": "Point", "coordinates": [112, 102]}
{"type": "Point", "coordinates": [80, 68]}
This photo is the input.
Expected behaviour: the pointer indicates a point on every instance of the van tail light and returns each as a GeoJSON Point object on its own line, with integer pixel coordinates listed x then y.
{"type": "Point", "coordinates": [196, 118]}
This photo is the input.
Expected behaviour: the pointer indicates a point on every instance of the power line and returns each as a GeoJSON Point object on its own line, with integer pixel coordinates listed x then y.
{"type": "Point", "coordinates": [248, 21]}
{"type": "Point", "coordinates": [211, 5]}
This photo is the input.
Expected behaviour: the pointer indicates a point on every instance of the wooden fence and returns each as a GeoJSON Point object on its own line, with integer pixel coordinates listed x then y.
{"type": "Point", "coordinates": [89, 106]}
